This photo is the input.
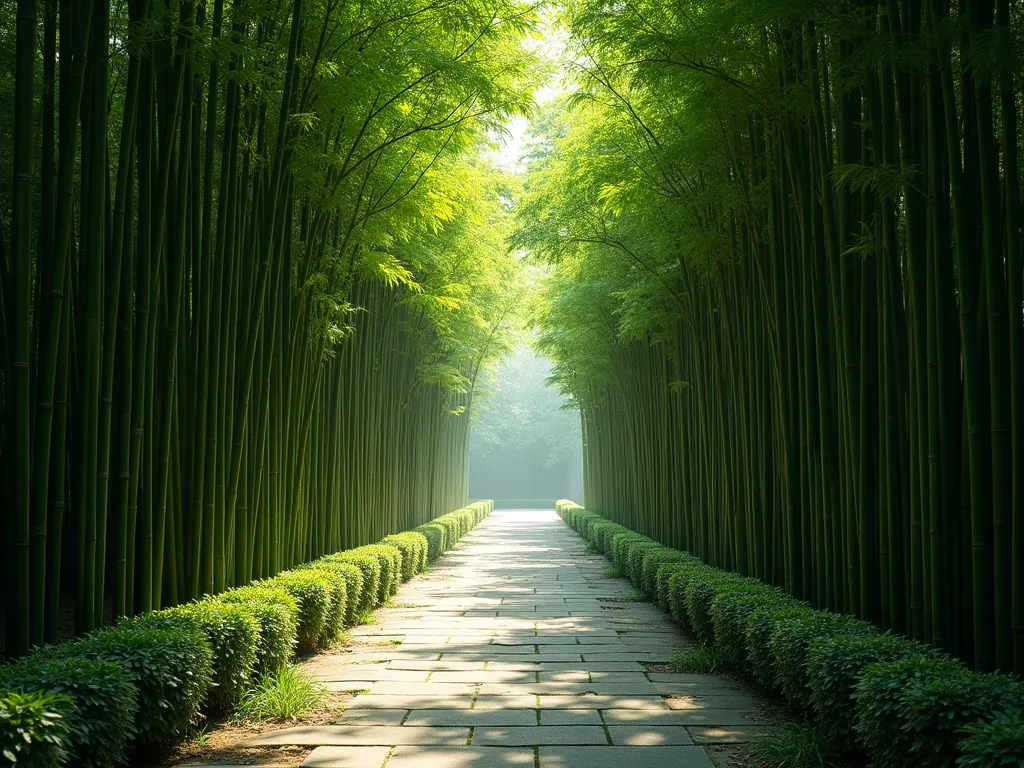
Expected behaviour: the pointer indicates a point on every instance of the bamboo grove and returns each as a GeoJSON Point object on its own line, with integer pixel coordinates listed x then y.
{"type": "Point", "coordinates": [785, 293]}
{"type": "Point", "coordinates": [252, 262]}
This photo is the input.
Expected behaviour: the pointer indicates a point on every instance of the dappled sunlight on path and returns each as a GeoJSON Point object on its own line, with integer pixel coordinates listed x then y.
{"type": "Point", "coordinates": [514, 649]}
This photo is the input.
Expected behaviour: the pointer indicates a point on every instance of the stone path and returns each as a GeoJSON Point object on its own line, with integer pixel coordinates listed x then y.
{"type": "Point", "coordinates": [513, 650]}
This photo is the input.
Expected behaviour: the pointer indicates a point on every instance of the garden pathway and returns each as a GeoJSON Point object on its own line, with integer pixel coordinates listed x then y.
{"type": "Point", "coordinates": [515, 650]}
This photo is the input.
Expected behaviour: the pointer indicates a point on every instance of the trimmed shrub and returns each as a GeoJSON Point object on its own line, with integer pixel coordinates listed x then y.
{"type": "Point", "coordinates": [413, 547]}
{"type": "Point", "coordinates": [103, 724]}
{"type": "Point", "coordinates": [337, 605]}
{"type": "Point", "coordinates": [353, 582]}
{"type": "Point", "coordinates": [651, 563]}
{"type": "Point", "coordinates": [634, 560]}
{"type": "Point", "coordinates": [760, 625]}
{"type": "Point", "coordinates": [700, 594]}
{"type": "Point", "coordinates": [835, 665]}
{"type": "Point", "coordinates": [313, 593]}
{"type": "Point", "coordinates": [35, 728]}
{"type": "Point", "coordinates": [171, 669]}
{"type": "Point", "coordinates": [730, 610]}
{"type": "Point", "coordinates": [995, 744]}
{"type": "Point", "coordinates": [677, 585]}
{"type": "Point", "coordinates": [390, 559]}
{"type": "Point", "coordinates": [452, 528]}
{"type": "Point", "coordinates": [622, 545]}
{"type": "Point", "coordinates": [434, 533]}
{"type": "Point", "coordinates": [936, 710]}
{"type": "Point", "coordinates": [665, 573]}
{"type": "Point", "coordinates": [233, 636]}
{"type": "Point", "coordinates": [370, 567]}
{"type": "Point", "coordinates": [880, 710]}
{"type": "Point", "coordinates": [277, 613]}
{"type": "Point", "coordinates": [603, 532]}
{"type": "Point", "coordinates": [790, 640]}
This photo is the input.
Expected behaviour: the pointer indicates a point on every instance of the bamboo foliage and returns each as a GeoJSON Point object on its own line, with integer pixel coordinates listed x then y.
{"type": "Point", "coordinates": [252, 266]}
{"type": "Point", "coordinates": [786, 297]}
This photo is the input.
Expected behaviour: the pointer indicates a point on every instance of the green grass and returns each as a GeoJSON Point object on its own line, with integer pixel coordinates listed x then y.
{"type": "Point", "coordinates": [367, 617]}
{"type": "Point", "coordinates": [703, 661]}
{"type": "Point", "coordinates": [342, 639]}
{"type": "Point", "coordinates": [287, 694]}
{"type": "Point", "coordinates": [200, 737]}
{"type": "Point", "coordinates": [611, 573]}
{"type": "Point", "coordinates": [795, 746]}
{"type": "Point", "coordinates": [388, 642]}
{"type": "Point", "coordinates": [634, 596]}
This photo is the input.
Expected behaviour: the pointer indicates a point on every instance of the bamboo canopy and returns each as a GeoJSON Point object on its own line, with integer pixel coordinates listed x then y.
{"type": "Point", "coordinates": [253, 266]}
{"type": "Point", "coordinates": [785, 294]}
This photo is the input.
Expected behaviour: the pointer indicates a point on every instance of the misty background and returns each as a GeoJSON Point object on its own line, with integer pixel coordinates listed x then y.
{"type": "Point", "coordinates": [525, 447]}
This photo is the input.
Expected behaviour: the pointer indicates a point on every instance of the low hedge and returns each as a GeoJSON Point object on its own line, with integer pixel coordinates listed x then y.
{"type": "Point", "coordinates": [232, 634]}
{"type": "Point", "coordinates": [665, 573]}
{"type": "Point", "coordinates": [700, 593]}
{"type": "Point", "coordinates": [171, 668]}
{"type": "Point", "coordinates": [35, 728]}
{"type": "Point", "coordinates": [914, 711]}
{"type": "Point", "coordinates": [313, 592]}
{"type": "Point", "coordinates": [353, 577]}
{"type": "Point", "coordinates": [413, 547]}
{"type": "Point", "coordinates": [902, 702]}
{"type": "Point", "coordinates": [651, 563]}
{"type": "Point", "coordinates": [370, 568]}
{"type": "Point", "coordinates": [730, 612]}
{"type": "Point", "coordinates": [276, 612]}
{"type": "Point", "coordinates": [790, 640]}
{"type": "Point", "coordinates": [677, 585]}
{"type": "Point", "coordinates": [102, 724]}
{"type": "Point", "coordinates": [994, 744]}
{"type": "Point", "coordinates": [835, 665]}
{"type": "Point", "coordinates": [142, 682]}
{"type": "Point", "coordinates": [390, 559]}
{"type": "Point", "coordinates": [437, 539]}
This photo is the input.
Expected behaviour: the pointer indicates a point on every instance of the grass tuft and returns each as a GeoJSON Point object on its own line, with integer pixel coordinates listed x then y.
{"type": "Point", "coordinates": [366, 617]}
{"type": "Point", "coordinates": [703, 661]}
{"type": "Point", "coordinates": [287, 694]}
{"type": "Point", "coordinates": [634, 596]}
{"type": "Point", "coordinates": [611, 573]}
{"type": "Point", "coordinates": [795, 746]}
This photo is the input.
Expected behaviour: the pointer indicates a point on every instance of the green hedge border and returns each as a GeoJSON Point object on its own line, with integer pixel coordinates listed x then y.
{"type": "Point", "coordinates": [143, 682]}
{"type": "Point", "coordinates": [898, 701]}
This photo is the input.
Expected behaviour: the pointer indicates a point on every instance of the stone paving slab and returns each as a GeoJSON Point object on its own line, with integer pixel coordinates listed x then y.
{"type": "Point", "coordinates": [461, 757]}
{"type": "Point", "coordinates": [368, 735]}
{"type": "Point", "coordinates": [649, 736]}
{"type": "Point", "coordinates": [736, 701]}
{"type": "Point", "coordinates": [374, 716]}
{"type": "Point", "coordinates": [602, 702]}
{"type": "Point", "coordinates": [570, 717]}
{"type": "Point", "coordinates": [617, 757]}
{"type": "Point", "coordinates": [540, 735]}
{"type": "Point", "coordinates": [728, 735]}
{"type": "Point", "coordinates": [728, 717]}
{"type": "Point", "coordinates": [472, 717]}
{"type": "Point", "coordinates": [347, 757]}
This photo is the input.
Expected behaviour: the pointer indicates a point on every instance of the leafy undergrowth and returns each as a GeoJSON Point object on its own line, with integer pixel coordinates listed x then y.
{"type": "Point", "coordinates": [287, 694]}
{"type": "Point", "coordinates": [611, 573]}
{"type": "Point", "coordinates": [705, 660]}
